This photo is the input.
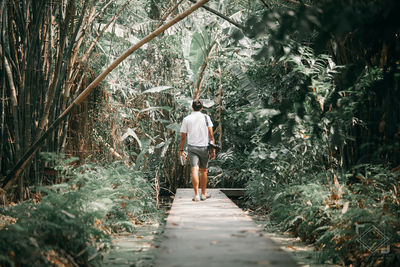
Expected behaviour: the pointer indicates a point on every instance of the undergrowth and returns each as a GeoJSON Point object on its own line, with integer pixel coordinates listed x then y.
{"type": "Point", "coordinates": [303, 158]}
{"type": "Point", "coordinates": [351, 220]}
{"type": "Point", "coordinates": [72, 223]}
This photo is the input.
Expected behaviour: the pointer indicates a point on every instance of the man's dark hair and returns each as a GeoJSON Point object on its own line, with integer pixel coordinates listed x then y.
{"type": "Point", "coordinates": [197, 105]}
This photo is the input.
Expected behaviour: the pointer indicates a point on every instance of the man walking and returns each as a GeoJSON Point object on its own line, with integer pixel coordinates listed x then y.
{"type": "Point", "coordinates": [198, 129]}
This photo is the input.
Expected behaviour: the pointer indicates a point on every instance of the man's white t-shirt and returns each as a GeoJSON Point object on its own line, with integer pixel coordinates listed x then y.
{"type": "Point", "coordinates": [196, 129]}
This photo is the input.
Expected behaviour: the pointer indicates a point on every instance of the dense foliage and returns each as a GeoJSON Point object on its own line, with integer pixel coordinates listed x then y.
{"type": "Point", "coordinates": [71, 224]}
{"type": "Point", "coordinates": [317, 136]}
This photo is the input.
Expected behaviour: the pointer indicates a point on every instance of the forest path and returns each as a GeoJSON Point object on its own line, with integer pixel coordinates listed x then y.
{"type": "Point", "coordinates": [215, 232]}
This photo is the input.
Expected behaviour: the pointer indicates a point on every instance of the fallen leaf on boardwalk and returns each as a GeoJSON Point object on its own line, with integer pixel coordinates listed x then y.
{"type": "Point", "coordinates": [291, 247]}
{"type": "Point", "coordinates": [175, 224]}
{"type": "Point", "coordinates": [215, 242]}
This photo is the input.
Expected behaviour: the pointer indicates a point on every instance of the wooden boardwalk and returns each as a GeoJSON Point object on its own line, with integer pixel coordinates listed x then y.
{"type": "Point", "coordinates": [215, 232]}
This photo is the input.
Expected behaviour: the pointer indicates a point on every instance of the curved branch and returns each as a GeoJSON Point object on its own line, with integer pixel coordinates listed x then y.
{"type": "Point", "coordinates": [221, 16]}
{"type": "Point", "coordinates": [265, 4]}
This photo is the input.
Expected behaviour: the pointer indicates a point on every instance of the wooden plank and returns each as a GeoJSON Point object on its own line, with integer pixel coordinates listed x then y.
{"type": "Point", "coordinates": [215, 232]}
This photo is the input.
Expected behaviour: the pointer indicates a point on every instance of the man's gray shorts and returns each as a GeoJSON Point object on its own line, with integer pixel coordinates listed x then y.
{"type": "Point", "coordinates": [198, 156]}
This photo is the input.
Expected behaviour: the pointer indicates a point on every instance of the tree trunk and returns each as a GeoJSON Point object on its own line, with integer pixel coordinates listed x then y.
{"type": "Point", "coordinates": [199, 81]}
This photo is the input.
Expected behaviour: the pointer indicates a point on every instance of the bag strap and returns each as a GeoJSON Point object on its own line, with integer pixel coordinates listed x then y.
{"type": "Point", "coordinates": [208, 130]}
{"type": "Point", "coordinates": [205, 117]}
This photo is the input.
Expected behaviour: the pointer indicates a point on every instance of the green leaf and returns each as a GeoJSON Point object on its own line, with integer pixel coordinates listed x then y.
{"type": "Point", "coordinates": [174, 127]}
{"type": "Point", "coordinates": [155, 108]}
{"type": "Point", "coordinates": [208, 103]}
{"type": "Point", "coordinates": [266, 112]}
{"type": "Point", "coordinates": [198, 45]}
{"type": "Point", "coordinates": [158, 89]}
{"type": "Point", "coordinates": [165, 148]}
{"type": "Point", "coordinates": [186, 102]}
{"type": "Point", "coordinates": [131, 132]}
{"type": "Point", "coordinates": [145, 145]}
{"type": "Point", "coordinates": [273, 155]}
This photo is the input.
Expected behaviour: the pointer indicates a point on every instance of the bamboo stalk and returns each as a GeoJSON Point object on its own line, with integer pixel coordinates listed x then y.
{"type": "Point", "coordinates": [50, 47]}
{"type": "Point", "coordinates": [19, 167]}
{"type": "Point", "coordinates": [220, 95]}
{"type": "Point", "coordinates": [56, 74]}
{"type": "Point", "coordinates": [32, 52]}
{"type": "Point", "coordinates": [64, 83]}
{"type": "Point", "coordinates": [14, 103]}
{"type": "Point", "coordinates": [3, 114]}
{"type": "Point", "coordinates": [68, 57]}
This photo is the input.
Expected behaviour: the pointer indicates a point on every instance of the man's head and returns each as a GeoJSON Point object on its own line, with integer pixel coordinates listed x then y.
{"type": "Point", "coordinates": [197, 105]}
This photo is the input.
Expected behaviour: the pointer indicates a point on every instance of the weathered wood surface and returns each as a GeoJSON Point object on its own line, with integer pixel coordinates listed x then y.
{"type": "Point", "coordinates": [215, 232]}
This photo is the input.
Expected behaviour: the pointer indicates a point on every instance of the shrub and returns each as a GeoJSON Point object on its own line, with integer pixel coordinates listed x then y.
{"type": "Point", "coordinates": [72, 222]}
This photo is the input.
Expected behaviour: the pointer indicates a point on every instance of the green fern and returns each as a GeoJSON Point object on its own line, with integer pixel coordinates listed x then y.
{"type": "Point", "coordinates": [73, 220]}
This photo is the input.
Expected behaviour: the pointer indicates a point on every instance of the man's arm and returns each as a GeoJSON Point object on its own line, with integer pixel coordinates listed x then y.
{"type": "Point", "coordinates": [211, 137]}
{"type": "Point", "coordinates": [182, 144]}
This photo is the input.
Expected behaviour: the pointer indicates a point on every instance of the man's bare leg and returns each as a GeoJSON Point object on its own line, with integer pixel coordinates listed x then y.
{"type": "Point", "coordinates": [195, 180]}
{"type": "Point", "coordinates": [203, 181]}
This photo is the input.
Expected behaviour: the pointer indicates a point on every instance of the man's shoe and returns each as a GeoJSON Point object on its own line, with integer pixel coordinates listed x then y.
{"type": "Point", "coordinates": [196, 198]}
{"type": "Point", "coordinates": [204, 197]}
